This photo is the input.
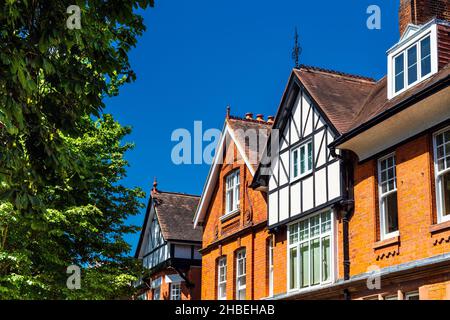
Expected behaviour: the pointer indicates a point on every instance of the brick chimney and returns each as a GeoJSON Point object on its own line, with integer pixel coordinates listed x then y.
{"type": "Point", "coordinates": [421, 11]}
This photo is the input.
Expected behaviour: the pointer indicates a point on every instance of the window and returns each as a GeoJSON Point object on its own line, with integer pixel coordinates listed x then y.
{"type": "Point", "coordinates": [392, 297]}
{"type": "Point", "coordinates": [412, 64]}
{"type": "Point", "coordinates": [442, 173]}
{"type": "Point", "coordinates": [222, 279]}
{"type": "Point", "coordinates": [270, 254]}
{"type": "Point", "coordinates": [157, 293]}
{"type": "Point", "coordinates": [142, 296]}
{"type": "Point", "coordinates": [175, 291]}
{"type": "Point", "coordinates": [240, 275]}
{"type": "Point", "coordinates": [302, 160]}
{"type": "Point", "coordinates": [309, 257]}
{"type": "Point", "coordinates": [387, 189]}
{"type": "Point", "coordinates": [412, 295]}
{"type": "Point", "coordinates": [232, 192]}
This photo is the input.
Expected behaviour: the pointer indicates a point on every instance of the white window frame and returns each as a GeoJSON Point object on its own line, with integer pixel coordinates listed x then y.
{"type": "Point", "coordinates": [308, 170]}
{"type": "Point", "coordinates": [222, 284]}
{"type": "Point", "coordinates": [175, 291]}
{"type": "Point", "coordinates": [270, 269]}
{"type": "Point", "coordinates": [438, 175]}
{"type": "Point", "coordinates": [241, 255]}
{"type": "Point", "coordinates": [330, 233]}
{"type": "Point", "coordinates": [402, 47]}
{"type": "Point", "coordinates": [232, 190]}
{"type": "Point", "coordinates": [381, 197]}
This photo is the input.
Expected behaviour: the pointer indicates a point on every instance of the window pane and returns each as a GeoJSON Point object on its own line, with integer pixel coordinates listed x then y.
{"type": "Point", "coordinates": [293, 233]}
{"type": "Point", "coordinates": [390, 205]}
{"type": "Point", "coordinates": [304, 230]}
{"type": "Point", "coordinates": [315, 261]}
{"type": "Point", "coordinates": [295, 163]}
{"type": "Point", "coordinates": [315, 225]}
{"type": "Point", "coordinates": [304, 256]}
{"type": "Point", "coordinates": [425, 53]}
{"type": "Point", "coordinates": [326, 260]}
{"type": "Point", "coordinates": [399, 73]}
{"type": "Point", "coordinates": [310, 156]}
{"type": "Point", "coordinates": [412, 65]}
{"type": "Point", "coordinates": [293, 268]}
{"type": "Point", "coordinates": [302, 160]}
{"type": "Point", "coordinates": [326, 221]}
{"type": "Point", "coordinates": [446, 193]}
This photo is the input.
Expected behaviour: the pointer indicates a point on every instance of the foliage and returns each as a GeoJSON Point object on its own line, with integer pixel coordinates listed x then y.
{"type": "Point", "coordinates": [61, 201]}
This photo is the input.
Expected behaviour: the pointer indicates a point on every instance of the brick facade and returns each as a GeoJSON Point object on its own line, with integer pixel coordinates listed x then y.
{"type": "Point", "coordinates": [247, 229]}
{"type": "Point", "coordinates": [422, 11]}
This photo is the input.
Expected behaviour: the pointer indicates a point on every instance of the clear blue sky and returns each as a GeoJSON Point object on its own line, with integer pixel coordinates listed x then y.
{"type": "Point", "coordinates": [197, 57]}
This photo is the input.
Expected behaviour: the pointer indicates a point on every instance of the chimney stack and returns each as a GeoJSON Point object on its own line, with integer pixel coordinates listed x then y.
{"type": "Point", "coordinates": [421, 11]}
{"type": "Point", "coordinates": [249, 116]}
{"type": "Point", "coordinates": [260, 117]}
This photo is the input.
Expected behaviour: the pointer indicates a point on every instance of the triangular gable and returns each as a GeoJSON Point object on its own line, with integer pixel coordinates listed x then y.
{"type": "Point", "coordinates": [410, 30]}
{"type": "Point", "coordinates": [213, 174]}
{"type": "Point", "coordinates": [150, 214]}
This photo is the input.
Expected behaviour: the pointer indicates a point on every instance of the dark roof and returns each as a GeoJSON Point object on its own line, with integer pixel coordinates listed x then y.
{"type": "Point", "coordinates": [262, 129]}
{"type": "Point", "coordinates": [378, 103]}
{"type": "Point", "coordinates": [175, 213]}
{"type": "Point", "coordinates": [339, 95]}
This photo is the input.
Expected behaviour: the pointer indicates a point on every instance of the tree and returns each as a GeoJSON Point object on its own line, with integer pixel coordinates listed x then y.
{"type": "Point", "coordinates": [61, 201]}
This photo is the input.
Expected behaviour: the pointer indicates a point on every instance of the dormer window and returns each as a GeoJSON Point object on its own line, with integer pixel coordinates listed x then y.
{"type": "Point", "coordinates": [412, 60]}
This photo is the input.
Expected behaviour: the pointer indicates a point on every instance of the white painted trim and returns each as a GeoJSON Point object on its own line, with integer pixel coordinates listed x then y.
{"type": "Point", "coordinates": [402, 47]}
{"type": "Point", "coordinates": [382, 214]}
{"type": "Point", "coordinates": [332, 252]}
{"type": "Point", "coordinates": [207, 190]}
{"type": "Point", "coordinates": [440, 217]}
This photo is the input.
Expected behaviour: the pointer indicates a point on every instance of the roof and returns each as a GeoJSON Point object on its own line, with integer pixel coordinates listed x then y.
{"type": "Point", "coordinates": [235, 128]}
{"type": "Point", "coordinates": [262, 129]}
{"type": "Point", "coordinates": [175, 212]}
{"type": "Point", "coordinates": [339, 95]}
{"type": "Point", "coordinates": [378, 103]}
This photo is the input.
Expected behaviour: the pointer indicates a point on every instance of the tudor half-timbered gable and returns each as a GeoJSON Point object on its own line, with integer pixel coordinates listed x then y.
{"type": "Point", "coordinates": [169, 248]}
{"type": "Point", "coordinates": [305, 182]}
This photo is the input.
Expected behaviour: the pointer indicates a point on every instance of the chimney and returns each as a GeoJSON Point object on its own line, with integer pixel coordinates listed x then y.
{"type": "Point", "coordinates": [421, 11]}
{"type": "Point", "coordinates": [270, 119]}
{"type": "Point", "coordinates": [249, 116]}
{"type": "Point", "coordinates": [260, 117]}
{"type": "Point", "coordinates": [154, 189]}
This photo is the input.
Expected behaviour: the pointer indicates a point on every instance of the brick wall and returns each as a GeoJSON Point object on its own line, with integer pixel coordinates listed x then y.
{"type": "Point", "coordinates": [416, 211]}
{"type": "Point", "coordinates": [220, 237]}
{"type": "Point", "coordinates": [422, 11]}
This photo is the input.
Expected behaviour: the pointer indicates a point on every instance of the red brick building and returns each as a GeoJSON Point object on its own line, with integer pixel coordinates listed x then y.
{"type": "Point", "coordinates": [359, 194]}
{"type": "Point", "coordinates": [168, 247]}
{"type": "Point", "coordinates": [236, 245]}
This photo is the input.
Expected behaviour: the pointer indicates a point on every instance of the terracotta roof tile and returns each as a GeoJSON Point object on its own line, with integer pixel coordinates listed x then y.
{"type": "Point", "coordinates": [339, 95]}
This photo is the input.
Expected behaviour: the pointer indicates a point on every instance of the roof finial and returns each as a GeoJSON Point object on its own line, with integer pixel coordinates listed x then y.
{"type": "Point", "coordinates": [228, 112]}
{"type": "Point", "coordinates": [297, 50]}
{"type": "Point", "coordinates": [155, 185]}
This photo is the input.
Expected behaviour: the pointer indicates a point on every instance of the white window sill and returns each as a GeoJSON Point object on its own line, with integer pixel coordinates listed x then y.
{"type": "Point", "coordinates": [390, 235]}
{"type": "Point", "coordinates": [229, 215]}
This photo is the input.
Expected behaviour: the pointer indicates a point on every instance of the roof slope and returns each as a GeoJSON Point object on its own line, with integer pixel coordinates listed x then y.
{"type": "Point", "coordinates": [252, 150]}
{"type": "Point", "coordinates": [378, 103]}
{"type": "Point", "coordinates": [175, 213]}
{"type": "Point", "coordinates": [339, 95]}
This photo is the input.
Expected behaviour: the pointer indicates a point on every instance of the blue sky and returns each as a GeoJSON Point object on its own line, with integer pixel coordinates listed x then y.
{"type": "Point", "coordinates": [196, 57]}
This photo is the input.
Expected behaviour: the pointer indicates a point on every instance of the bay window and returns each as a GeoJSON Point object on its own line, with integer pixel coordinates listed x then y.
{"type": "Point", "coordinates": [232, 192]}
{"type": "Point", "coordinates": [302, 160]}
{"type": "Point", "coordinates": [222, 279]}
{"type": "Point", "coordinates": [442, 173]}
{"type": "Point", "coordinates": [309, 251]}
{"type": "Point", "coordinates": [240, 274]}
{"type": "Point", "coordinates": [387, 189]}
